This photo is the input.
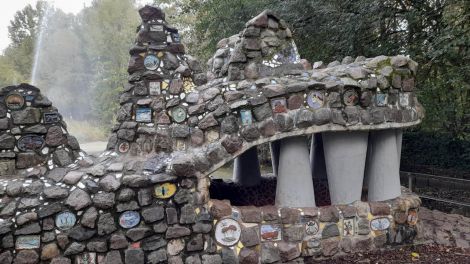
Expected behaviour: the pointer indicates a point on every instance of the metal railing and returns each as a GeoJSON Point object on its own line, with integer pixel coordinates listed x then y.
{"type": "Point", "coordinates": [413, 175]}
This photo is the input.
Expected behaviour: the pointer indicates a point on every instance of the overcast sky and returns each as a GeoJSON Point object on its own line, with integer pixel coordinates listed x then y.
{"type": "Point", "coordinates": [8, 9]}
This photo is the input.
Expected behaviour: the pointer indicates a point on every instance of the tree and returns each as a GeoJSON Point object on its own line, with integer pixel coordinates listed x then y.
{"type": "Point", "coordinates": [108, 32]}
{"type": "Point", "coordinates": [17, 58]}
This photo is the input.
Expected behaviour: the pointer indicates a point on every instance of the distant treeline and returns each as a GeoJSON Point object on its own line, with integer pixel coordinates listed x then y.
{"type": "Point", "coordinates": [436, 153]}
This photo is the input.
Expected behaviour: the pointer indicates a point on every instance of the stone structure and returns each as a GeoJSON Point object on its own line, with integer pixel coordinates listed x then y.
{"type": "Point", "coordinates": [146, 199]}
{"type": "Point", "coordinates": [32, 132]}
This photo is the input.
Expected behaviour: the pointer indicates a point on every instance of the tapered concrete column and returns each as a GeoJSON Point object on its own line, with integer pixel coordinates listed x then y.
{"type": "Point", "coordinates": [345, 158]}
{"type": "Point", "coordinates": [246, 168]}
{"type": "Point", "coordinates": [383, 169]}
{"type": "Point", "coordinates": [317, 157]}
{"type": "Point", "coordinates": [399, 137]}
{"type": "Point", "coordinates": [294, 181]}
{"type": "Point", "coordinates": [275, 147]}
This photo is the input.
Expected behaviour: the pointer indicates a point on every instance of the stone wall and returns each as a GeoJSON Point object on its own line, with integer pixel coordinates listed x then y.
{"type": "Point", "coordinates": [114, 212]}
{"type": "Point", "coordinates": [146, 200]}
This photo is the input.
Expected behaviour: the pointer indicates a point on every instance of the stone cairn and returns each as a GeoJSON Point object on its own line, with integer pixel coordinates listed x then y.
{"type": "Point", "coordinates": [32, 132]}
{"type": "Point", "coordinates": [146, 199]}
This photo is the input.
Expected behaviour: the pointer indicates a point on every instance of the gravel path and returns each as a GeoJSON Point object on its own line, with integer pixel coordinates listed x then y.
{"type": "Point", "coordinates": [431, 253]}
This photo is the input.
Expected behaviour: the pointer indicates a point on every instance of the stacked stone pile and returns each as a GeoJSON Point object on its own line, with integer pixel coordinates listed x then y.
{"type": "Point", "coordinates": [32, 132]}
{"type": "Point", "coordinates": [161, 78]}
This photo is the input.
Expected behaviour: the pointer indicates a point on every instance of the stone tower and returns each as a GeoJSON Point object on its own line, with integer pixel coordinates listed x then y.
{"type": "Point", "coordinates": [33, 133]}
{"type": "Point", "coordinates": [154, 105]}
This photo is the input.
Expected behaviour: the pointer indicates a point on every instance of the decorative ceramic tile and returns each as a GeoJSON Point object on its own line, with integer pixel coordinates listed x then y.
{"type": "Point", "coordinates": [315, 99]}
{"type": "Point", "coordinates": [380, 224]}
{"type": "Point", "coordinates": [123, 147]}
{"type": "Point", "coordinates": [151, 62]}
{"type": "Point", "coordinates": [271, 232]}
{"type": "Point", "coordinates": [350, 97]}
{"type": "Point", "coordinates": [178, 114]}
{"type": "Point", "coordinates": [279, 105]}
{"type": "Point", "coordinates": [311, 228]}
{"type": "Point", "coordinates": [404, 99]}
{"type": "Point", "coordinates": [227, 232]}
{"type": "Point", "coordinates": [143, 114]}
{"type": "Point", "coordinates": [28, 242]}
{"type": "Point", "coordinates": [50, 118]}
{"type": "Point", "coordinates": [165, 190]}
{"type": "Point", "coordinates": [65, 220]}
{"type": "Point", "coordinates": [381, 99]}
{"type": "Point", "coordinates": [180, 145]}
{"type": "Point", "coordinates": [348, 227]}
{"type": "Point", "coordinates": [154, 88]}
{"type": "Point", "coordinates": [246, 117]}
{"type": "Point", "coordinates": [129, 219]}
{"type": "Point", "coordinates": [30, 143]}
{"type": "Point", "coordinates": [14, 101]}
{"type": "Point", "coordinates": [412, 217]}
{"type": "Point", "coordinates": [86, 258]}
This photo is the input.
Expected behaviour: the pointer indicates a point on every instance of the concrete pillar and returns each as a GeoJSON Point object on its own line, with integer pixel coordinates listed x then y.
{"type": "Point", "coordinates": [246, 168]}
{"type": "Point", "coordinates": [345, 158]}
{"type": "Point", "coordinates": [383, 166]}
{"type": "Point", "coordinates": [399, 137]}
{"type": "Point", "coordinates": [275, 147]}
{"type": "Point", "coordinates": [294, 181]}
{"type": "Point", "coordinates": [317, 157]}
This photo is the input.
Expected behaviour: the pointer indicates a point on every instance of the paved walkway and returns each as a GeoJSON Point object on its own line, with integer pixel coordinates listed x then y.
{"type": "Point", "coordinates": [94, 148]}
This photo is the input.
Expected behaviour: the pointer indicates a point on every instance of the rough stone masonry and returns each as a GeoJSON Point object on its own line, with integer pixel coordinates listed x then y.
{"type": "Point", "coordinates": [146, 199]}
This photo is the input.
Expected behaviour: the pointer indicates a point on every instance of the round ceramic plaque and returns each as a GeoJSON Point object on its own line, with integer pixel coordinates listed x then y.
{"type": "Point", "coordinates": [14, 101]}
{"type": "Point", "coordinates": [65, 220]}
{"type": "Point", "coordinates": [315, 99]}
{"type": "Point", "coordinates": [129, 219]}
{"type": "Point", "coordinates": [311, 228]}
{"type": "Point", "coordinates": [30, 143]}
{"type": "Point", "coordinates": [178, 114]}
{"type": "Point", "coordinates": [165, 190]}
{"type": "Point", "coordinates": [350, 97]}
{"type": "Point", "coordinates": [227, 232]}
{"type": "Point", "coordinates": [151, 62]}
{"type": "Point", "coordinates": [123, 147]}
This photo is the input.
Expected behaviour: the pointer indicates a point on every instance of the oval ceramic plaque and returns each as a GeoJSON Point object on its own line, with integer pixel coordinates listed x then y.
{"type": "Point", "coordinates": [227, 232]}
{"type": "Point", "coordinates": [379, 224]}
{"type": "Point", "coordinates": [129, 219]}
{"type": "Point", "coordinates": [350, 97]}
{"type": "Point", "coordinates": [65, 220]}
{"type": "Point", "coordinates": [14, 101]}
{"type": "Point", "coordinates": [315, 99]}
{"type": "Point", "coordinates": [165, 190]}
{"type": "Point", "coordinates": [178, 114]}
{"type": "Point", "coordinates": [311, 228]}
{"type": "Point", "coordinates": [151, 62]}
{"type": "Point", "coordinates": [30, 143]}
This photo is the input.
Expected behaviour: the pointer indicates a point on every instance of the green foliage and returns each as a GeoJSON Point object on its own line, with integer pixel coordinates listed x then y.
{"type": "Point", "coordinates": [435, 150]}
{"type": "Point", "coordinates": [108, 33]}
{"type": "Point", "coordinates": [434, 33]}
